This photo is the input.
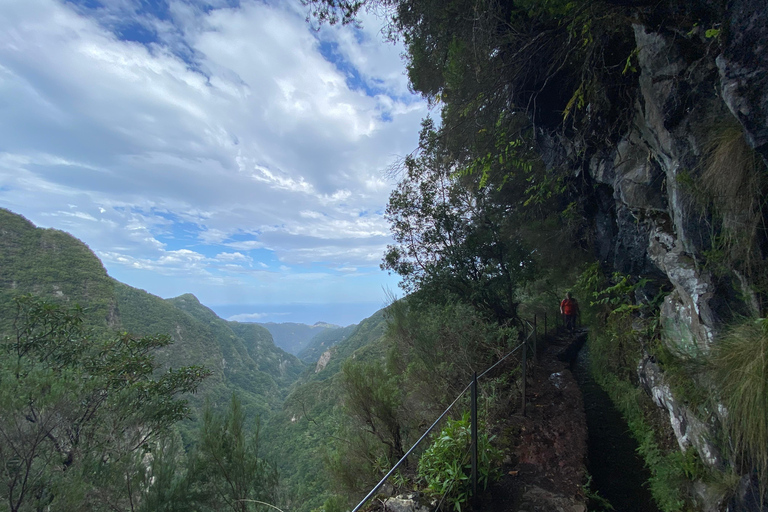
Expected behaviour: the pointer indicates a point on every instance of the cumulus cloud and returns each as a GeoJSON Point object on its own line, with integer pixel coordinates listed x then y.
{"type": "Point", "coordinates": [181, 141]}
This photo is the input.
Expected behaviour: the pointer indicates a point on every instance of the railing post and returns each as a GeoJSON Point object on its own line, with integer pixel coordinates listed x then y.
{"type": "Point", "coordinates": [525, 365]}
{"type": "Point", "coordinates": [545, 323]}
{"type": "Point", "coordinates": [473, 415]}
{"type": "Point", "coordinates": [535, 342]}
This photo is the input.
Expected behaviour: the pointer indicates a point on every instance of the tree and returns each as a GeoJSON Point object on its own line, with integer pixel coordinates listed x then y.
{"type": "Point", "coordinates": [226, 471]}
{"type": "Point", "coordinates": [372, 440]}
{"type": "Point", "coordinates": [78, 410]}
{"type": "Point", "coordinates": [373, 397]}
{"type": "Point", "coordinates": [453, 236]}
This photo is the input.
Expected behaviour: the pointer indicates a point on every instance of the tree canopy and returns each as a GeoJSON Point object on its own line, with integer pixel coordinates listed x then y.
{"type": "Point", "coordinates": [78, 412]}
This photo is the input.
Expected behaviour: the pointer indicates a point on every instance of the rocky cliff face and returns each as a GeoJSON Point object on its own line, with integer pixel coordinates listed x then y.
{"type": "Point", "coordinates": [695, 91]}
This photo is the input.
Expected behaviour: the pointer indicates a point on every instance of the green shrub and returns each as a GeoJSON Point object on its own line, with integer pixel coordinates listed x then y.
{"type": "Point", "coordinates": [445, 466]}
{"type": "Point", "coordinates": [739, 365]}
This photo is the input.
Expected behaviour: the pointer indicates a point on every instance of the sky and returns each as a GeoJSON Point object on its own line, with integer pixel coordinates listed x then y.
{"type": "Point", "coordinates": [225, 148]}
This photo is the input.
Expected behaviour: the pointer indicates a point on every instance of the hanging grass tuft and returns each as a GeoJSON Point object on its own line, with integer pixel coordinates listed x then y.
{"type": "Point", "coordinates": [740, 367]}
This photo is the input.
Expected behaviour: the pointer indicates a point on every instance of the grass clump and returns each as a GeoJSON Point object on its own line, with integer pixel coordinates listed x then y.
{"type": "Point", "coordinates": [740, 368]}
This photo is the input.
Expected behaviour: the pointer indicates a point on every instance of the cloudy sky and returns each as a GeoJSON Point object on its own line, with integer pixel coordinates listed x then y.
{"type": "Point", "coordinates": [219, 147]}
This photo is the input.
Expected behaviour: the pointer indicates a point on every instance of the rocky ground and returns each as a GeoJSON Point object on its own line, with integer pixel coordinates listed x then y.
{"type": "Point", "coordinates": [546, 449]}
{"type": "Point", "coordinates": [546, 469]}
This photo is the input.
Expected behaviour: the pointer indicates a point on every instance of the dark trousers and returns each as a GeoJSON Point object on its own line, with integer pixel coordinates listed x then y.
{"type": "Point", "coordinates": [570, 322]}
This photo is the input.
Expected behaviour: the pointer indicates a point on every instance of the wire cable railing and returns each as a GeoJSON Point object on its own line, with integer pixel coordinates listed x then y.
{"type": "Point", "coordinates": [531, 336]}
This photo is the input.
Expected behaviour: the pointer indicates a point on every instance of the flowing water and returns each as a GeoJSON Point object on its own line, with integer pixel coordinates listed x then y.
{"type": "Point", "coordinates": [618, 473]}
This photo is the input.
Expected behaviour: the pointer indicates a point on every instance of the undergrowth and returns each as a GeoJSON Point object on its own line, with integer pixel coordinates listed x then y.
{"type": "Point", "coordinates": [618, 338]}
{"type": "Point", "coordinates": [739, 364]}
{"type": "Point", "coordinates": [737, 368]}
{"type": "Point", "coordinates": [445, 466]}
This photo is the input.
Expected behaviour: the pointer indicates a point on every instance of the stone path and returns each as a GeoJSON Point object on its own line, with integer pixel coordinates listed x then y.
{"type": "Point", "coordinates": [546, 469]}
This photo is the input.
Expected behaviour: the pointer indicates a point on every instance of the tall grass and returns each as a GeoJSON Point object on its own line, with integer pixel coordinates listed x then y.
{"type": "Point", "coordinates": [733, 186]}
{"type": "Point", "coordinates": [740, 367]}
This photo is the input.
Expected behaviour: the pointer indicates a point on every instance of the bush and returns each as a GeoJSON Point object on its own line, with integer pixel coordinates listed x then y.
{"type": "Point", "coordinates": [445, 466]}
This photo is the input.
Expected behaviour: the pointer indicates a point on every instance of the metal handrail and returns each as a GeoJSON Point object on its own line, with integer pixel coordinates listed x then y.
{"type": "Point", "coordinates": [424, 435]}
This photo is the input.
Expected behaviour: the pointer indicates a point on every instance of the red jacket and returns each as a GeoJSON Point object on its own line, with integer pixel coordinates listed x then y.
{"type": "Point", "coordinates": [569, 307]}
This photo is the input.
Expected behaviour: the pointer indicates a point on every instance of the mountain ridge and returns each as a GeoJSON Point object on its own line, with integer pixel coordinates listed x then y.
{"type": "Point", "coordinates": [56, 266]}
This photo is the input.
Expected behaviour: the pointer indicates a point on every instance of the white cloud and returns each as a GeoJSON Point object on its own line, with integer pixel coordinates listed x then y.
{"type": "Point", "coordinates": [232, 256]}
{"type": "Point", "coordinates": [253, 317]}
{"type": "Point", "coordinates": [254, 152]}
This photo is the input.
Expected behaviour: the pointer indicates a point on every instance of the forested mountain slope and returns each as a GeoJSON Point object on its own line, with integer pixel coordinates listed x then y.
{"type": "Point", "coordinates": [51, 263]}
{"type": "Point", "coordinates": [56, 266]}
{"type": "Point", "coordinates": [324, 340]}
{"type": "Point", "coordinates": [299, 438]}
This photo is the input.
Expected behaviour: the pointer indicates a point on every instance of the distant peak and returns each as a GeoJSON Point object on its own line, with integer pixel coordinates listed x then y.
{"type": "Point", "coordinates": [189, 297]}
{"type": "Point", "coordinates": [325, 324]}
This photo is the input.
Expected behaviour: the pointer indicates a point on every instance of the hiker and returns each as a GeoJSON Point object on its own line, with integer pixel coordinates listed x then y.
{"type": "Point", "coordinates": [569, 308]}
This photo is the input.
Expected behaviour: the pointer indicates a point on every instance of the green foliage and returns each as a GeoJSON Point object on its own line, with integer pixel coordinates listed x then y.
{"type": "Point", "coordinates": [616, 343]}
{"type": "Point", "coordinates": [445, 467]}
{"type": "Point", "coordinates": [668, 484]}
{"type": "Point", "coordinates": [728, 188]}
{"type": "Point", "coordinates": [712, 33]}
{"type": "Point", "coordinates": [683, 374]}
{"type": "Point", "coordinates": [452, 239]}
{"type": "Point", "coordinates": [333, 11]}
{"type": "Point", "coordinates": [294, 337]}
{"type": "Point", "coordinates": [444, 344]}
{"type": "Point", "coordinates": [324, 340]}
{"type": "Point", "coordinates": [166, 483]}
{"type": "Point", "coordinates": [389, 397]}
{"type": "Point", "coordinates": [367, 333]}
{"type": "Point", "coordinates": [373, 397]}
{"type": "Point", "coordinates": [50, 263]}
{"type": "Point", "coordinates": [78, 411]}
{"type": "Point", "coordinates": [297, 439]}
{"type": "Point", "coordinates": [226, 470]}
{"type": "Point", "coordinates": [595, 502]}
{"type": "Point", "coordinates": [375, 423]}
{"type": "Point", "coordinates": [317, 447]}
{"type": "Point", "coordinates": [242, 357]}
{"type": "Point", "coordinates": [739, 363]}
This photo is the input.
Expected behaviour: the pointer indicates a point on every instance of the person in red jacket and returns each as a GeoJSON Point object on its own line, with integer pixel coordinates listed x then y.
{"type": "Point", "coordinates": [569, 308]}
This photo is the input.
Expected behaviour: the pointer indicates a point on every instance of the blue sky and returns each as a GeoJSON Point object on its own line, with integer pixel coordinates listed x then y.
{"type": "Point", "coordinates": [223, 148]}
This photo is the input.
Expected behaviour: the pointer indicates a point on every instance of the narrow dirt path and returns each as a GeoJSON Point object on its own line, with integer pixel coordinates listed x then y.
{"type": "Point", "coordinates": [546, 466]}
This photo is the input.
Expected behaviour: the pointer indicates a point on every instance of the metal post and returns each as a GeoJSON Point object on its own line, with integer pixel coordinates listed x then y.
{"type": "Point", "coordinates": [525, 365]}
{"type": "Point", "coordinates": [473, 414]}
{"type": "Point", "coordinates": [535, 341]}
{"type": "Point", "coordinates": [545, 323]}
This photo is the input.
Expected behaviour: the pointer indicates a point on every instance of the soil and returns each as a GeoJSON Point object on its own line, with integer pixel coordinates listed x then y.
{"type": "Point", "coordinates": [546, 469]}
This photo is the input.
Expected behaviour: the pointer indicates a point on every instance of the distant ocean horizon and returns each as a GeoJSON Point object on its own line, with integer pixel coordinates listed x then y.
{"type": "Point", "coordinates": [342, 314]}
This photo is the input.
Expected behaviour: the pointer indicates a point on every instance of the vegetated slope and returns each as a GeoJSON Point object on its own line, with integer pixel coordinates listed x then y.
{"type": "Point", "coordinates": [293, 337]}
{"type": "Point", "coordinates": [201, 337]}
{"type": "Point", "coordinates": [297, 437]}
{"type": "Point", "coordinates": [282, 366]}
{"type": "Point", "coordinates": [369, 330]}
{"type": "Point", "coordinates": [249, 344]}
{"type": "Point", "coordinates": [323, 341]}
{"type": "Point", "coordinates": [58, 267]}
{"type": "Point", "coordinates": [51, 263]}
